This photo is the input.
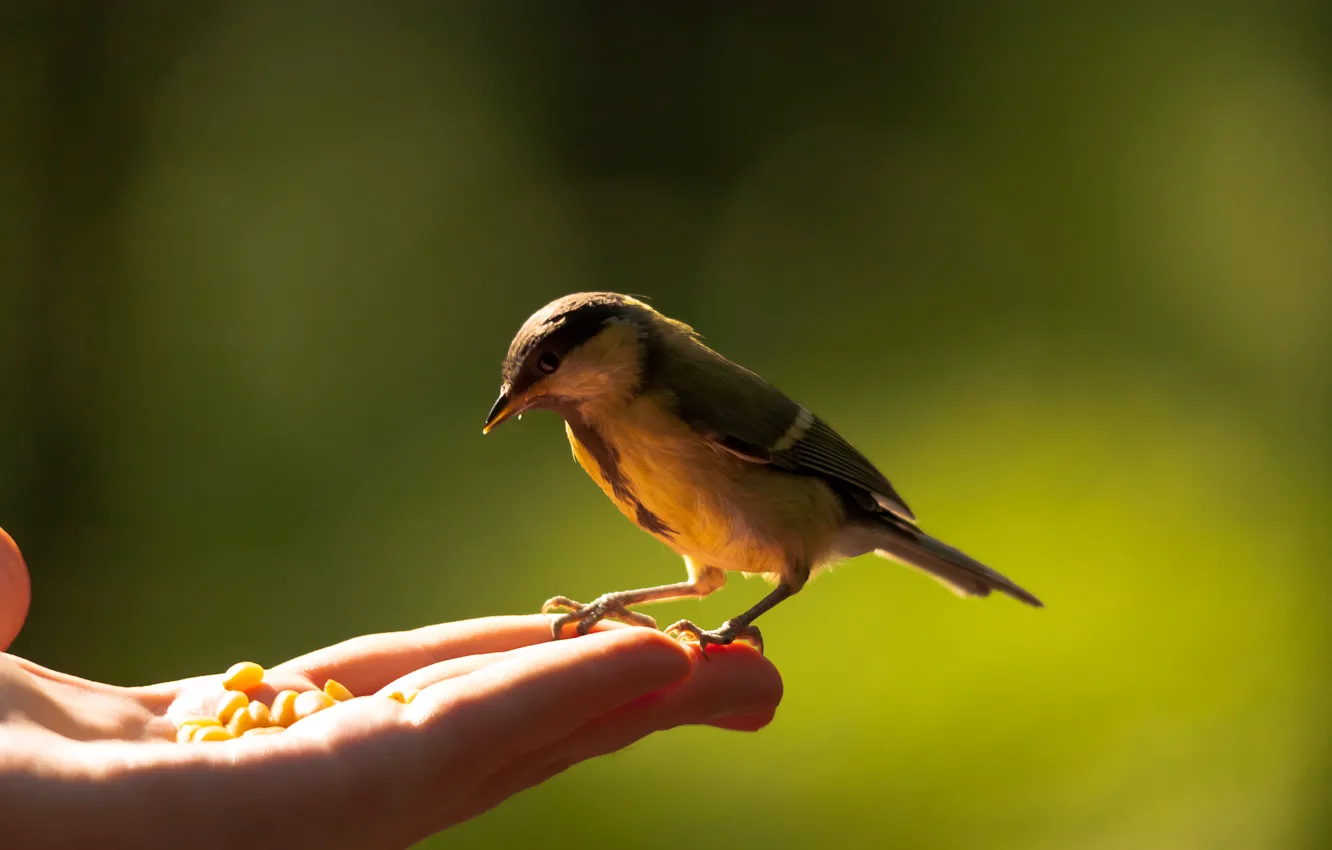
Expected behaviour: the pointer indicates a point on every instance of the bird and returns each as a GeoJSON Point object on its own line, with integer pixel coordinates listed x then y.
{"type": "Point", "coordinates": [712, 460]}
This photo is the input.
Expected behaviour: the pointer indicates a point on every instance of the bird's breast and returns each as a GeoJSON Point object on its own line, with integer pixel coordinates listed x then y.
{"type": "Point", "coordinates": [703, 502]}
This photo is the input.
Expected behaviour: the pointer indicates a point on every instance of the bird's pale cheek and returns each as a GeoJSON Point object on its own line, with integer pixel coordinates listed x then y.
{"type": "Point", "coordinates": [605, 385]}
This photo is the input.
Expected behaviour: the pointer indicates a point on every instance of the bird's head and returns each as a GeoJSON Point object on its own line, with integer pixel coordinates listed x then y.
{"type": "Point", "coordinates": [585, 349]}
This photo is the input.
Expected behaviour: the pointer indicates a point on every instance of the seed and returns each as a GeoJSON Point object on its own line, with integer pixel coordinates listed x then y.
{"type": "Point", "coordinates": [311, 702]}
{"type": "Point", "coordinates": [403, 695]}
{"type": "Point", "coordinates": [259, 714]}
{"type": "Point", "coordinates": [211, 733]}
{"type": "Point", "coordinates": [243, 676]}
{"type": "Point", "coordinates": [230, 703]}
{"type": "Point", "coordinates": [337, 690]}
{"type": "Point", "coordinates": [240, 723]}
{"type": "Point", "coordinates": [262, 730]}
{"type": "Point", "coordinates": [201, 720]}
{"type": "Point", "coordinates": [284, 708]}
{"type": "Point", "coordinates": [187, 730]}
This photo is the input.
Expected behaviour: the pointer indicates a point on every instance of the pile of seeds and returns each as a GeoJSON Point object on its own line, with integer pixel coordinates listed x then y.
{"type": "Point", "coordinates": [238, 716]}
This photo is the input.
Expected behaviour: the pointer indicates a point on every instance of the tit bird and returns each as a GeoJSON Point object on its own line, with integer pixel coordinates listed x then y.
{"type": "Point", "coordinates": [712, 460]}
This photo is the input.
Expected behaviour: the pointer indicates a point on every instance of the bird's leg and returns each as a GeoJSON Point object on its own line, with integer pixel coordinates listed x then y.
{"type": "Point", "coordinates": [615, 606]}
{"type": "Point", "coordinates": [740, 627]}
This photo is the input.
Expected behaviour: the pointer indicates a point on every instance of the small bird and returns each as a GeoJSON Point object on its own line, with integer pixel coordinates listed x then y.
{"type": "Point", "coordinates": [712, 460]}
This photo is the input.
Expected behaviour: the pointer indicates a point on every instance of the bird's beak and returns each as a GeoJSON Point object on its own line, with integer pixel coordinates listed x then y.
{"type": "Point", "coordinates": [503, 409]}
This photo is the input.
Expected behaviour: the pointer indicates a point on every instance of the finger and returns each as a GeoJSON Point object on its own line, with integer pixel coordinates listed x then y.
{"type": "Point", "coordinates": [366, 664]}
{"type": "Point", "coordinates": [740, 690]}
{"type": "Point", "coordinates": [539, 694]}
{"type": "Point", "coordinates": [423, 678]}
{"type": "Point", "coordinates": [200, 696]}
{"type": "Point", "coordinates": [15, 590]}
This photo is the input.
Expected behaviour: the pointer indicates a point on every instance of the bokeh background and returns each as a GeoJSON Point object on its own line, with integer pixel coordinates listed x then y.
{"type": "Point", "coordinates": [1064, 271]}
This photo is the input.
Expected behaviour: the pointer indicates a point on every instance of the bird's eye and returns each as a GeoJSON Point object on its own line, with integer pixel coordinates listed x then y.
{"type": "Point", "coordinates": [548, 362]}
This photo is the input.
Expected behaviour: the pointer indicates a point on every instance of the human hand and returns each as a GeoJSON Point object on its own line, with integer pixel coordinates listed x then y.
{"type": "Point", "coordinates": [501, 708]}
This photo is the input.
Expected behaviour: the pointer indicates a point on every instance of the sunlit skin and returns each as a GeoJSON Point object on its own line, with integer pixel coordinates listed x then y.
{"type": "Point", "coordinates": [712, 460]}
{"type": "Point", "coordinates": [500, 708]}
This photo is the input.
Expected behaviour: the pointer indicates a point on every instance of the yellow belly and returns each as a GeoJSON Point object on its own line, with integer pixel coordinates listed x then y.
{"type": "Point", "coordinates": [724, 512]}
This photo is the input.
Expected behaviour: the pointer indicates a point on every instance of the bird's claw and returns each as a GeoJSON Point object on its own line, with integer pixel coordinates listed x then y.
{"type": "Point", "coordinates": [607, 607]}
{"type": "Point", "coordinates": [729, 632]}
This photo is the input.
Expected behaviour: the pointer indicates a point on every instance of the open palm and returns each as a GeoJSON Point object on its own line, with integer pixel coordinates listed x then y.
{"type": "Point", "coordinates": [501, 708]}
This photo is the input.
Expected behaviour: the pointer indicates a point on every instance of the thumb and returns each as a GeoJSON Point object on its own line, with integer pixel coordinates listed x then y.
{"type": "Point", "coordinates": [15, 590]}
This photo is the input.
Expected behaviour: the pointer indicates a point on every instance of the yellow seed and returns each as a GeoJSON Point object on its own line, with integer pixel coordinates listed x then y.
{"type": "Point", "coordinates": [211, 733]}
{"type": "Point", "coordinates": [403, 695]}
{"type": "Point", "coordinates": [187, 730]}
{"type": "Point", "coordinates": [231, 702]}
{"type": "Point", "coordinates": [259, 713]}
{"type": "Point", "coordinates": [284, 708]}
{"type": "Point", "coordinates": [310, 702]}
{"type": "Point", "coordinates": [337, 690]}
{"type": "Point", "coordinates": [201, 720]}
{"type": "Point", "coordinates": [243, 676]}
{"type": "Point", "coordinates": [240, 723]}
{"type": "Point", "coordinates": [262, 730]}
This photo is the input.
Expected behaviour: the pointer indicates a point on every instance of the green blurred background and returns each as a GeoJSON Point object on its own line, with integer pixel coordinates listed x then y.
{"type": "Point", "coordinates": [1065, 272]}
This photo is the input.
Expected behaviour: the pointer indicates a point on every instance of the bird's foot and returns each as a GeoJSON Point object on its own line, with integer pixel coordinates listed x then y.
{"type": "Point", "coordinates": [610, 606]}
{"type": "Point", "coordinates": [729, 632]}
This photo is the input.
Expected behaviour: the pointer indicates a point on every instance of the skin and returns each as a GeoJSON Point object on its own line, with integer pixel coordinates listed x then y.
{"type": "Point", "coordinates": [501, 708]}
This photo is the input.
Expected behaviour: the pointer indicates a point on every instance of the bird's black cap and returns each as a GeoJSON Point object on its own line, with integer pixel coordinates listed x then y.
{"type": "Point", "coordinates": [560, 327]}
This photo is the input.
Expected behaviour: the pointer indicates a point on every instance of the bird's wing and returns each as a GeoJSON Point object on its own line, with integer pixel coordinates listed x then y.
{"type": "Point", "coordinates": [753, 420]}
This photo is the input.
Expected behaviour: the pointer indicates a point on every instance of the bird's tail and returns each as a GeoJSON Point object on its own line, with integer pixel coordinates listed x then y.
{"type": "Point", "coordinates": [957, 571]}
